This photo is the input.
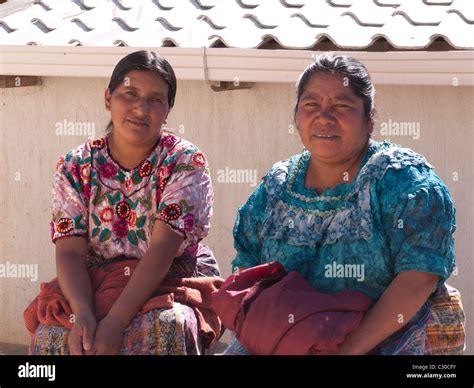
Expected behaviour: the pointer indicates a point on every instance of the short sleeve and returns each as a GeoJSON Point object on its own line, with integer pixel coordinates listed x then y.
{"type": "Point", "coordinates": [247, 228]}
{"type": "Point", "coordinates": [419, 218]}
{"type": "Point", "coordinates": [69, 204]}
{"type": "Point", "coordinates": [187, 199]}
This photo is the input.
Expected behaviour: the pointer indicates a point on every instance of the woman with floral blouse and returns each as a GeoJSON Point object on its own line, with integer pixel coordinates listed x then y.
{"type": "Point", "coordinates": [139, 192]}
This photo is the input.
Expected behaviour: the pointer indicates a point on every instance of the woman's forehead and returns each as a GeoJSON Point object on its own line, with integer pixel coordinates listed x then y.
{"type": "Point", "coordinates": [145, 79]}
{"type": "Point", "coordinates": [324, 84]}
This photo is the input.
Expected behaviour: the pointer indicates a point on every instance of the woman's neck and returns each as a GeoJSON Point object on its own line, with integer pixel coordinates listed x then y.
{"type": "Point", "coordinates": [128, 155]}
{"type": "Point", "coordinates": [322, 176]}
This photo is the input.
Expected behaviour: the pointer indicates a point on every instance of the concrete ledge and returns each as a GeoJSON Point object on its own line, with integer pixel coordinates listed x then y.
{"type": "Point", "coordinates": [12, 349]}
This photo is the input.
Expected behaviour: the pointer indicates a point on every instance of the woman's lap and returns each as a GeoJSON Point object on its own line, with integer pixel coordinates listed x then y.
{"type": "Point", "coordinates": [436, 329]}
{"type": "Point", "coordinates": [171, 331]}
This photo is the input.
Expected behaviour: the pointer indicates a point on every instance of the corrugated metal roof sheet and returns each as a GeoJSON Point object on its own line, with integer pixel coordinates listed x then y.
{"type": "Point", "coordinates": [378, 25]}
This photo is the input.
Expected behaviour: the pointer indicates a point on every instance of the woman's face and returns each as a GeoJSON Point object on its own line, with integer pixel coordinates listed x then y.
{"type": "Point", "coordinates": [139, 107]}
{"type": "Point", "coordinates": [331, 119]}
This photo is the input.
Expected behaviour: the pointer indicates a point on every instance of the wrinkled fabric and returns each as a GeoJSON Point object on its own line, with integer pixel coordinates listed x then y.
{"type": "Point", "coordinates": [279, 313]}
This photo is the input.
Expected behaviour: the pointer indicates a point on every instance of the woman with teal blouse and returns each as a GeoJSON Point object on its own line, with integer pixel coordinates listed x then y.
{"type": "Point", "coordinates": [353, 213]}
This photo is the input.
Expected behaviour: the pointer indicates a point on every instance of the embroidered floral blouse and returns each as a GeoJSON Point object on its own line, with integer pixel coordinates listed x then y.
{"type": "Point", "coordinates": [116, 208]}
{"type": "Point", "coordinates": [396, 215]}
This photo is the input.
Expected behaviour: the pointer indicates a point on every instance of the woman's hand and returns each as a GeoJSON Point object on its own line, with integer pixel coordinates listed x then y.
{"type": "Point", "coordinates": [81, 337]}
{"type": "Point", "coordinates": [397, 305]}
{"type": "Point", "coordinates": [108, 337]}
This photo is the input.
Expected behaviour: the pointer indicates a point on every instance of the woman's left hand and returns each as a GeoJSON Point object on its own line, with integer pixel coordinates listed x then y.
{"type": "Point", "coordinates": [108, 337]}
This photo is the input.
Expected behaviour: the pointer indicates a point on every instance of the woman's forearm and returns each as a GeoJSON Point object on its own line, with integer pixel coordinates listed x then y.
{"type": "Point", "coordinates": [147, 277]}
{"type": "Point", "coordinates": [397, 305]}
{"type": "Point", "coordinates": [74, 280]}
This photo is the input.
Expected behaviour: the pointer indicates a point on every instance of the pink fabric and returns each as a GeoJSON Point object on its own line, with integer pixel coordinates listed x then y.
{"type": "Point", "coordinates": [238, 288]}
{"type": "Point", "coordinates": [289, 316]}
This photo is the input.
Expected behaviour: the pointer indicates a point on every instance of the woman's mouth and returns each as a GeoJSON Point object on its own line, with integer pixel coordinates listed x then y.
{"type": "Point", "coordinates": [138, 122]}
{"type": "Point", "coordinates": [325, 137]}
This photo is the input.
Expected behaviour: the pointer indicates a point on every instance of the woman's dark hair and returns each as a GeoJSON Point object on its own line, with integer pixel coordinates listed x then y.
{"type": "Point", "coordinates": [144, 60]}
{"type": "Point", "coordinates": [357, 75]}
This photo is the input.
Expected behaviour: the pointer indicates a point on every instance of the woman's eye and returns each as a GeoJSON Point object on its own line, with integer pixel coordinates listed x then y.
{"type": "Point", "coordinates": [157, 100]}
{"type": "Point", "coordinates": [130, 93]}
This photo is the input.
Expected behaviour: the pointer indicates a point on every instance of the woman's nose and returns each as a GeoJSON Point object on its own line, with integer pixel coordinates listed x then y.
{"type": "Point", "coordinates": [142, 105]}
{"type": "Point", "coordinates": [325, 115]}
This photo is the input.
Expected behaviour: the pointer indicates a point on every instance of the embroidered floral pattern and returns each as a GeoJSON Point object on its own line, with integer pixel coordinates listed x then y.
{"type": "Point", "coordinates": [163, 176]}
{"type": "Point", "coordinates": [123, 210]}
{"type": "Point", "coordinates": [85, 171]}
{"type": "Point", "coordinates": [64, 225]}
{"type": "Point", "coordinates": [145, 169]}
{"type": "Point", "coordinates": [120, 206]}
{"type": "Point", "coordinates": [59, 163]}
{"type": "Point", "coordinates": [107, 170]}
{"type": "Point", "coordinates": [97, 143]}
{"type": "Point", "coordinates": [132, 219]}
{"type": "Point", "coordinates": [169, 141]}
{"type": "Point", "coordinates": [171, 212]}
{"type": "Point", "coordinates": [199, 160]}
{"type": "Point", "coordinates": [188, 220]}
{"type": "Point", "coordinates": [128, 184]}
{"type": "Point", "coordinates": [106, 215]}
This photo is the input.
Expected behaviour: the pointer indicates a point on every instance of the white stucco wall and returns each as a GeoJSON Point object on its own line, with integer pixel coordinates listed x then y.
{"type": "Point", "coordinates": [244, 129]}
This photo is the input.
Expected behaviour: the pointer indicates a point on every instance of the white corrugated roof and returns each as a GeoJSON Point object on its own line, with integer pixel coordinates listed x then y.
{"type": "Point", "coordinates": [287, 24]}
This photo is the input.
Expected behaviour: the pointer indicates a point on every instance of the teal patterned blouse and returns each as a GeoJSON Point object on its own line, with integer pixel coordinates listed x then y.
{"type": "Point", "coordinates": [396, 215]}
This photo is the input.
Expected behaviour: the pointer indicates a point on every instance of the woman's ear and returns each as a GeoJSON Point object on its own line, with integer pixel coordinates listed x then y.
{"type": "Point", "coordinates": [107, 99]}
{"type": "Point", "coordinates": [166, 117]}
{"type": "Point", "coordinates": [370, 128]}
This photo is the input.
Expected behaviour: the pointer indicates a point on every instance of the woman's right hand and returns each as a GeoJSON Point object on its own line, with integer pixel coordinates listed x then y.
{"type": "Point", "coordinates": [81, 337]}
{"type": "Point", "coordinates": [75, 283]}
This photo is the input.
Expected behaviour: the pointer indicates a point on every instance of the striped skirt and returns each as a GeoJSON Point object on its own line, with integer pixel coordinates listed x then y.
{"type": "Point", "coordinates": [171, 331]}
{"type": "Point", "coordinates": [445, 332]}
